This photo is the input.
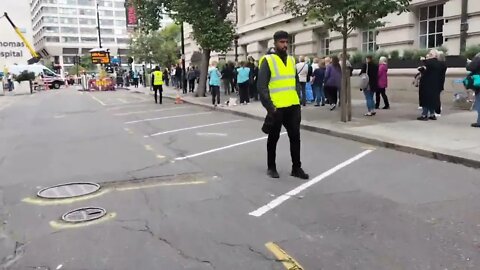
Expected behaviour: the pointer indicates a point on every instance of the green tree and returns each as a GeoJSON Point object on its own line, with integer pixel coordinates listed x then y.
{"type": "Point", "coordinates": [86, 62]}
{"type": "Point", "coordinates": [158, 47]}
{"type": "Point", "coordinates": [208, 18]}
{"type": "Point", "coordinates": [344, 16]}
{"type": "Point", "coordinates": [149, 13]}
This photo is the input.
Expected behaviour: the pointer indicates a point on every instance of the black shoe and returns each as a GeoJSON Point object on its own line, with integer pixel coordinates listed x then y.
{"type": "Point", "coordinates": [273, 173]}
{"type": "Point", "coordinates": [377, 107]}
{"type": "Point", "coordinates": [433, 117]}
{"type": "Point", "coordinates": [299, 173]}
{"type": "Point", "coordinates": [317, 105]}
{"type": "Point", "coordinates": [386, 108]}
{"type": "Point", "coordinates": [475, 125]}
{"type": "Point", "coordinates": [323, 104]}
{"type": "Point", "coordinates": [422, 118]}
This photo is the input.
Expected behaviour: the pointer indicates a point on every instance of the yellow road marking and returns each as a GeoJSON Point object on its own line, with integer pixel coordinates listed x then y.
{"type": "Point", "coordinates": [128, 130]}
{"type": "Point", "coordinates": [63, 225]}
{"type": "Point", "coordinates": [288, 261]}
{"type": "Point", "coordinates": [161, 185]}
{"type": "Point", "coordinates": [103, 191]}
{"type": "Point", "coordinates": [160, 156]}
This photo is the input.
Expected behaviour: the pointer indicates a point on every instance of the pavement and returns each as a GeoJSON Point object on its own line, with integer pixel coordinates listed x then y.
{"type": "Point", "coordinates": [448, 139]}
{"type": "Point", "coordinates": [185, 188]}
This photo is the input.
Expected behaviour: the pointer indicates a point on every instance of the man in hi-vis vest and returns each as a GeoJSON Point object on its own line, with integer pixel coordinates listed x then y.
{"type": "Point", "coordinates": [157, 82]}
{"type": "Point", "coordinates": [277, 86]}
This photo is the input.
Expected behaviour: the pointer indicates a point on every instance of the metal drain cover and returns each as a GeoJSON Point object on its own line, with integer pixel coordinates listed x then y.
{"type": "Point", "coordinates": [84, 214]}
{"type": "Point", "coordinates": [69, 190]}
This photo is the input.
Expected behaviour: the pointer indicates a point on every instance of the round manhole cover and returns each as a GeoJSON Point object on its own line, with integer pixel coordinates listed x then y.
{"type": "Point", "coordinates": [68, 190]}
{"type": "Point", "coordinates": [84, 214]}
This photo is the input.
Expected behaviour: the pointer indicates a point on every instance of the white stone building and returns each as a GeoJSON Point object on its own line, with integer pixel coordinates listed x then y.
{"type": "Point", "coordinates": [430, 23]}
{"type": "Point", "coordinates": [12, 49]}
{"type": "Point", "coordinates": [66, 28]}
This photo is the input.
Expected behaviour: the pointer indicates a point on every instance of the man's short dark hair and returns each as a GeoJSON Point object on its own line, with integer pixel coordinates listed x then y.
{"type": "Point", "coordinates": [280, 35]}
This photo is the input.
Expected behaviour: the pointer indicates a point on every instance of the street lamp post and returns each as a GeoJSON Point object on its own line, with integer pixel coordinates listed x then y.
{"type": "Point", "coordinates": [184, 72]}
{"type": "Point", "coordinates": [98, 28]}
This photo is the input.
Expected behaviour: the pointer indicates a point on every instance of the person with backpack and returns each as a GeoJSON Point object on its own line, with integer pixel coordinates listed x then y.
{"type": "Point", "coordinates": [302, 73]}
{"type": "Point", "coordinates": [430, 85]}
{"type": "Point", "coordinates": [472, 82]}
{"type": "Point", "coordinates": [369, 83]}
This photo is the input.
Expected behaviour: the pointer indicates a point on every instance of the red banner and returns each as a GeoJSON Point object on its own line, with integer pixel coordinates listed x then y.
{"type": "Point", "coordinates": [132, 20]}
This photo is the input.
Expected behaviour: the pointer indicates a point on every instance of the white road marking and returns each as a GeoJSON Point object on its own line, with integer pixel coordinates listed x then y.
{"type": "Point", "coordinates": [225, 147]}
{"type": "Point", "coordinates": [59, 116]}
{"type": "Point", "coordinates": [149, 111]}
{"type": "Point", "coordinates": [292, 193]}
{"type": "Point", "coordinates": [122, 100]}
{"type": "Point", "coordinates": [98, 100]}
{"type": "Point", "coordinates": [189, 128]}
{"type": "Point", "coordinates": [212, 134]}
{"type": "Point", "coordinates": [166, 117]}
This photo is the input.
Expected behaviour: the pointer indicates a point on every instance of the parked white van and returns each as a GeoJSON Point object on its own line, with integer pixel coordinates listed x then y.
{"type": "Point", "coordinates": [49, 77]}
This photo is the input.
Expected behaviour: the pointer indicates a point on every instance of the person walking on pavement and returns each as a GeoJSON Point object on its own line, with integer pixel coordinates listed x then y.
{"type": "Point", "coordinates": [370, 75]}
{"type": "Point", "coordinates": [333, 81]}
{"type": "Point", "coordinates": [252, 87]}
{"type": "Point", "coordinates": [474, 68]}
{"type": "Point", "coordinates": [179, 78]}
{"type": "Point", "coordinates": [430, 85]}
{"type": "Point", "coordinates": [441, 59]}
{"type": "Point", "coordinates": [166, 74]}
{"type": "Point", "coordinates": [157, 79]}
{"type": "Point", "coordinates": [214, 83]}
{"type": "Point", "coordinates": [243, 80]}
{"type": "Point", "coordinates": [278, 89]}
{"type": "Point", "coordinates": [382, 84]}
{"type": "Point", "coordinates": [191, 79]}
{"type": "Point", "coordinates": [302, 72]}
{"type": "Point", "coordinates": [317, 83]}
{"type": "Point", "coordinates": [227, 74]}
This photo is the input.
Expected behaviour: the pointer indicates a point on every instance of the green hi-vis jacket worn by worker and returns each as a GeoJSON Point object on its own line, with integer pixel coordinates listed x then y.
{"type": "Point", "coordinates": [157, 77]}
{"type": "Point", "coordinates": [282, 85]}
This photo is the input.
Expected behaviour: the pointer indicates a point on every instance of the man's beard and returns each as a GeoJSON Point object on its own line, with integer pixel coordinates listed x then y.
{"type": "Point", "coordinates": [282, 52]}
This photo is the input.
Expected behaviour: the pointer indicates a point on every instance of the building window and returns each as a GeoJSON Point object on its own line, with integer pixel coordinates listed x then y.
{"type": "Point", "coordinates": [369, 41]}
{"type": "Point", "coordinates": [70, 39]}
{"type": "Point", "coordinates": [86, 2]}
{"type": "Point", "coordinates": [325, 46]}
{"type": "Point", "coordinates": [291, 44]}
{"type": "Point", "coordinates": [89, 39]}
{"type": "Point", "coordinates": [52, 39]}
{"type": "Point", "coordinates": [120, 23]}
{"type": "Point", "coordinates": [68, 20]}
{"type": "Point", "coordinates": [67, 11]}
{"type": "Point", "coordinates": [431, 26]}
{"type": "Point", "coordinates": [89, 12]}
{"type": "Point", "coordinates": [88, 30]}
{"type": "Point", "coordinates": [88, 21]}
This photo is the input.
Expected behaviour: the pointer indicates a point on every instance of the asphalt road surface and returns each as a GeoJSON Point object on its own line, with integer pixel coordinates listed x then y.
{"type": "Point", "coordinates": [185, 188]}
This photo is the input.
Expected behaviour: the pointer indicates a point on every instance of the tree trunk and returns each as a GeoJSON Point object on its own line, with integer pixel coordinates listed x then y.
{"type": "Point", "coordinates": [345, 77]}
{"type": "Point", "coordinates": [202, 85]}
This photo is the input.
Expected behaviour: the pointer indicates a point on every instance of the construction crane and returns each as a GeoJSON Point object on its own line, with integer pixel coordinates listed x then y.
{"type": "Point", "coordinates": [35, 56]}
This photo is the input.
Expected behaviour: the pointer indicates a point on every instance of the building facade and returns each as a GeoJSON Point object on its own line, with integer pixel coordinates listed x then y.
{"type": "Point", "coordinates": [429, 24]}
{"type": "Point", "coordinates": [68, 28]}
{"type": "Point", "coordinates": [12, 48]}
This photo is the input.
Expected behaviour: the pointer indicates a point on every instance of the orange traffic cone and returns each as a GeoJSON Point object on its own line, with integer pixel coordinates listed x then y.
{"type": "Point", "coordinates": [178, 99]}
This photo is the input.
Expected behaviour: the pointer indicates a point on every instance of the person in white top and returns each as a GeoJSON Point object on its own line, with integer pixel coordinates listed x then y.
{"type": "Point", "coordinates": [315, 63]}
{"type": "Point", "coordinates": [302, 72]}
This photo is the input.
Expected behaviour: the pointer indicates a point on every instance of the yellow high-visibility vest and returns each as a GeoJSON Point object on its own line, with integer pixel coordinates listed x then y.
{"type": "Point", "coordinates": [283, 84]}
{"type": "Point", "coordinates": [157, 78]}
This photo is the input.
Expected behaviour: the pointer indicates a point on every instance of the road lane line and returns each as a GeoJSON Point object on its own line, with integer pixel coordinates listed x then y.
{"type": "Point", "coordinates": [98, 100]}
{"type": "Point", "coordinates": [288, 261]}
{"type": "Point", "coordinates": [279, 200]}
{"type": "Point", "coordinates": [140, 112]}
{"type": "Point", "coordinates": [225, 147]}
{"type": "Point", "coordinates": [122, 100]}
{"type": "Point", "coordinates": [190, 128]}
{"type": "Point", "coordinates": [166, 117]}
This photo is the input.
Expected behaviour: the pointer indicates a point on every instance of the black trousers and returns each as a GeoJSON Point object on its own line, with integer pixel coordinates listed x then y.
{"type": "Point", "coordinates": [331, 93]}
{"type": "Point", "coordinates": [191, 84]}
{"type": "Point", "coordinates": [215, 93]}
{"type": "Point", "coordinates": [253, 91]}
{"type": "Point", "coordinates": [381, 92]}
{"type": "Point", "coordinates": [303, 91]}
{"type": "Point", "coordinates": [290, 118]}
{"type": "Point", "coordinates": [244, 96]}
{"type": "Point", "coordinates": [159, 89]}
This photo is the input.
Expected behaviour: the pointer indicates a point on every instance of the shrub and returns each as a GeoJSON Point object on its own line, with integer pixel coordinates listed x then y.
{"type": "Point", "coordinates": [471, 51]}
{"type": "Point", "coordinates": [380, 54]}
{"type": "Point", "coordinates": [443, 49]}
{"type": "Point", "coordinates": [357, 58]}
{"type": "Point", "coordinates": [394, 55]}
{"type": "Point", "coordinates": [420, 53]}
{"type": "Point", "coordinates": [25, 76]}
{"type": "Point", "coordinates": [408, 54]}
